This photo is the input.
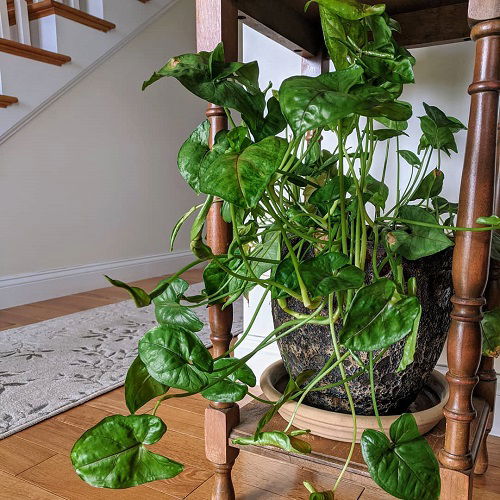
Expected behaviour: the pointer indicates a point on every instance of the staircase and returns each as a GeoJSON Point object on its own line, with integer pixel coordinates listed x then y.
{"type": "Point", "coordinates": [47, 46]}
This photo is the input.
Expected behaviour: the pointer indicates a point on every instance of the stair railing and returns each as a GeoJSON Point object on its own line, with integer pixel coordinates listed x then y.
{"type": "Point", "coordinates": [21, 31]}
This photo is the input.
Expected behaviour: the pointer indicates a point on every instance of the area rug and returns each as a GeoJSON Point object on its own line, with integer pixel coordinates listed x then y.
{"type": "Point", "coordinates": [49, 367]}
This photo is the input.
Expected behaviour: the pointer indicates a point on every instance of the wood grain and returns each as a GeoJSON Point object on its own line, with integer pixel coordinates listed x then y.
{"type": "Point", "coordinates": [7, 100]}
{"type": "Point", "coordinates": [51, 7]}
{"type": "Point", "coordinates": [32, 468]}
{"type": "Point", "coordinates": [23, 50]}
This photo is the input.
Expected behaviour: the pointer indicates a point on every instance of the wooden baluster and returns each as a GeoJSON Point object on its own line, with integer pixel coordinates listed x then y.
{"type": "Point", "coordinates": [4, 20]}
{"type": "Point", "coordinates": [22, 22]}
{"type": "Point", "coordinates": [487, 386]}
{"type": "Point", "coordinates": [217, 21]}
{"type": "Point", "coordinates": [471, 257]}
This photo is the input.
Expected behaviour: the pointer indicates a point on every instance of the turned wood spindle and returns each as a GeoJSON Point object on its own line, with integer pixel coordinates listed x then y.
{"type": "Point", "coordinates": [217, 21]}
{"type": "Point", "coordinates": [472, 249]}
{"type": "Point", "coordinates": [487, 386]}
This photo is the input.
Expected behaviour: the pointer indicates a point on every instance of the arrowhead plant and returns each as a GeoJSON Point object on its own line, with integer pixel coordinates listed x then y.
{"type": "Point", "coordinates": [330, 228]}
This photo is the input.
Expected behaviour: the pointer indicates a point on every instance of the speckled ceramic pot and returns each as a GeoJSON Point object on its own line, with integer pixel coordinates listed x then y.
{"type": "Point", "coordinates": [310, 347]}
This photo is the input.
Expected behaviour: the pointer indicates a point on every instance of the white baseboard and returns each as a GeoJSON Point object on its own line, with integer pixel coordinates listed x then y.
{"type": "Point", "coordinates": [21, 289]}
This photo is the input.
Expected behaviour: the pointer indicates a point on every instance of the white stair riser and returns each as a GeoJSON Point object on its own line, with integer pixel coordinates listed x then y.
{"type": "Point", "coordinates": [37, 84]}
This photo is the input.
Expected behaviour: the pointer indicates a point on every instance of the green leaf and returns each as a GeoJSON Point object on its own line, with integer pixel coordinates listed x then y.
{"type": "Point", "coordinates": [277, 439]}
{"type": "Point", "coordinates": [140, 387]}
{"type": "Point", "coordinates": [395, 70]}
{"type": "Point", "coordinates": [179, 224]}
{"type": "Point", "coordinates": [492, 220]}
{"type": "Point", "coordinates": [215, 280]}
{"type": "Point", "coordinates": [396, 125]}
{"type": "Point", "coordinates": [378, 317]}
{"type": "Point", "coordinates": [169, 311]}
{"type": "Point", "coordinates": [330, 273]}
{"type": "Point", "coordinates": [234, 386]}
{"type": "Point", "coordinates": [112, 453]}
{"type": "Point", "coordinates": [241, 179]}
{"type": "Point", "coordinates": [410, 157]}
{"type": "Point", "coordinates": [406, 467]}
{"type": "Point", "coordinates": [422, 241]}
{"type": "Point", "coordinates": [141, 298]}
{"type": "Point", "coordinates": [273, 123]}
{"type": "Point", "coordinates": [335, 38]}
{"type": "Point", "coordinates": [176, 357]}
{"type": "Point", "coordinates": [490, 326]}
{"type": "Point", "coordinates": [230, 85]}
{"type": "Point", "coordinates": [430, 186]}
{"type": "Point", "coordinates": [410, 344]}
{"type": "Point", "coordinates": [387, 133]}
{"type": "Point", "coordinates": [350, 9]}
{"type": "Point", "coordinates": [309, 103]}
{"type": "Point", "coordinates": [286, 276]}
{"type": "Point", "coordinates": [377, 190]}
{"type": "Point", "coordinates": [327, 194]}
{"type": "Point", "coordinates": [192, 154]}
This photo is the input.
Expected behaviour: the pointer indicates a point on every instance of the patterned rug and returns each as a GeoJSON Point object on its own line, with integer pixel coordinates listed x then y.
{"type": "Point", "coordinates": [49, 367]}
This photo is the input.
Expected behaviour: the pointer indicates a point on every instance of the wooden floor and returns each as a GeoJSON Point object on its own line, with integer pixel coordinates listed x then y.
{"type": "Point", "coordinates": [35, 465]}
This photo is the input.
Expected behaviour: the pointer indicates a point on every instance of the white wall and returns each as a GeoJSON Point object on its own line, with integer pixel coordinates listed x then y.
{"type": "Point", "coordinates": [442, 74]}
{"type": "Point", "coordinates": [93, 179]}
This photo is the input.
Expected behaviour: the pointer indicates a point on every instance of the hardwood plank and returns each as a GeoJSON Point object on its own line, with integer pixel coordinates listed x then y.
{"type": "Point", "coordinates": [183, 484]}
{"type": "Point", "coordinates": [286, 479]}
{"type": "Point", "coordinates": [57, 476]}
{"type": "Point", "coordinates": [489, 482]}
{"type": "Point", "coordinates": [243, 492]}
{"type": "Point", "coordinates": [17, 455]}
{"type": "Point", "coordinates": [13, 488]}
{"type": "Point", "coordinates": [52, 435]}
{"type": "Point", "coordinates": [112, 402]}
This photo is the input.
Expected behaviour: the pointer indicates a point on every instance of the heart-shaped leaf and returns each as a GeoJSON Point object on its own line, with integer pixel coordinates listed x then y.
{"type": "Point", "coordinates": [430, 186]}
{"type": "Point", "coordinates": [405, 467]}
{"type": "Point", "coordinates": [112, 453]}
{"type": "Point", "coordinates": [421, 241]}
{"type": "Point", "coordinates": [241, 179]}
{"type": "Point", "coordinates": [176, 357]}
{"type": "Point", "coordinates": [330, 273]}
{"type": "Point", "coordinates": [169, 311]}
{"type": "Point", "coordinates": [192, 154]}
{"type": "Point", "coordinates": [310, 103]}
{"type": "Point", "coordinates": [410, 157]}
{"type": "Point", "coordinates": [287, 442]}
{"type": "Point", "coordinates": [378, 317]}
{"type": "Point", "coordinates": [140, 386]}
{"type": "Point", "coordinates": [387, 133]}
{"type": "Point", "coordinates": [234, 386]}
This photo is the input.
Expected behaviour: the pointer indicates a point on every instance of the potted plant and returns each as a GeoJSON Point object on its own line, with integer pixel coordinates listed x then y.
{"type": "Point", "coordinates": [348, 275]}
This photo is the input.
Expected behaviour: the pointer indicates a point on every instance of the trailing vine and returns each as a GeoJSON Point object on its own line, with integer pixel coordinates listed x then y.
{"type": "Point", "coordinates": [303, 219]}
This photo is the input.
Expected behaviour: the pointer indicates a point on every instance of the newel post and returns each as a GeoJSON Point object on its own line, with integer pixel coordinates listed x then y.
{"type": "Point", "coordinates": [472, 252]}
{"type": "Point", "coordinates": [217, 21]}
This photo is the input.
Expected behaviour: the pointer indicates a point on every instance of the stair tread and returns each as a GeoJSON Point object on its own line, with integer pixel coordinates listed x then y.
{"type": "Point", "coordinates": [52, 7]}
{"type": "Point", "coordinates": [30, 52]}
{"type": "Point", "coordinates": [7, 100]}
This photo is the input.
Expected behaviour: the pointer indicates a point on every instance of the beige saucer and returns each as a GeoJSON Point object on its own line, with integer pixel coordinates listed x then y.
{"type": "Point", "coordinates": [427, 409]}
